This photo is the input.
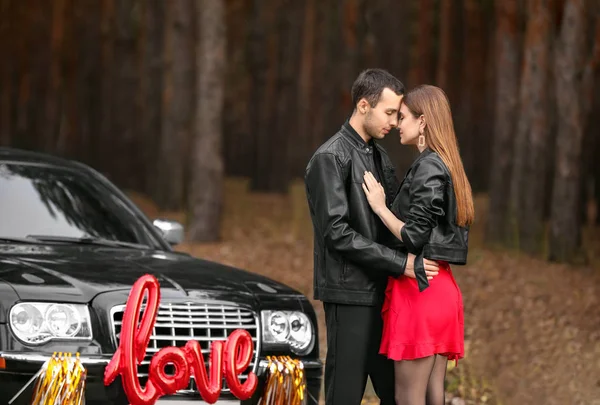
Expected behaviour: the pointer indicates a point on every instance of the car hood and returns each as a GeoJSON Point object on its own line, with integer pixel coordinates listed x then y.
{"type": "Point", "coordinates": [79, 273]}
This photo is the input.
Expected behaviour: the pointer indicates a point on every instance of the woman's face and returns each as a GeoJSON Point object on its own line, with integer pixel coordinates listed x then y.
{"type": "Point", "coordinates": [408, 126]}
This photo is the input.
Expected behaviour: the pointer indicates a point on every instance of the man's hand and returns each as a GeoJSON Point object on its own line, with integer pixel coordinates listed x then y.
{"type": "Point", "coordinates": [432, 268]}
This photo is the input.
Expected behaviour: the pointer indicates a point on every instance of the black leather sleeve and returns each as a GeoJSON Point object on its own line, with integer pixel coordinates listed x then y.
{"type": "Point", "coordinates": [327, 196]}
{"type": "Point", "coordinates": [426, 195]}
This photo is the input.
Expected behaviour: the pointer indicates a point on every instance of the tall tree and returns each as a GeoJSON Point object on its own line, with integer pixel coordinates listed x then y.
{"type": "Point", "coordinates": [6, 72]}
{"type": "Point", "coordinates": [446, 42]}
{"type": "Point", "coordinates": [39, 30]}
{"type": "Point", "coordinates": [237, 132]}
{"type": "Point", "coordinates": [25, 41]}
{"type": "Point", "coordinates": [206, 186]}
{"type": "Point", "coordinates": [102, 143]}
{"type": "Point", "coordinates": [507, 86]}
{"type": "Point", "coordinates": [286, 117]}
{"type": "Point", "coordinates": [258, 64]}
{"type": "Point", "coordinates": [592, 143]}
{"type": "Point", "coordinates": [470, 107]}
{"type": "Point", "coordinates": [350, 47]}
{"type": "Point", "coordinates": [270, 168]}
{"type": "Point", "coordinates": [533, 130]}
{"type": "Point", "coordinates": [69, 139]}
{"type": "Point", "coordinates": [306, 80]}
{"type": "Point", "coordinates": [178, 106]}
{"type": "Point", "coordinates": [574, 72]}
{"type": "Point", "coordinates": [327, 79]}
{"type": "Point", "coordinates": [55, 76]}
{"type": "Point", "coordinates": [88, 84]}
{"type": "Point", "coordinates": [150, 67]}
{"type": "Point", "coordinates": [390, 38]}
{"type": "Point", "coordinates": [421, 70]}
{"type": "Point", "coordinates": [124, 169]}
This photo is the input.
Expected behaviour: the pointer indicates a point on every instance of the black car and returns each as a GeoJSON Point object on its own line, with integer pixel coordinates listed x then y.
{"type": "Point", "coordinates": [71, 247]}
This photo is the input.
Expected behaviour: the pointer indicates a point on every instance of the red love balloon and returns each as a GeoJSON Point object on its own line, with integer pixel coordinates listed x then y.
{"type": "Point", "coordinates": [209, 389]}
{"type": "Point", "coordinates": [238, 354]}
{"type": "Point", "coordinates": [229, 358]}
{"type": "Point", "coordinates": [132, 347]}
{"type": "Point", "coordinates": [165, 382]}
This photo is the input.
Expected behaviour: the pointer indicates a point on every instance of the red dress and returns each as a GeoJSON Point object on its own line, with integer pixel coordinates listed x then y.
{"type": "Point", "coordinates": [420, 324]}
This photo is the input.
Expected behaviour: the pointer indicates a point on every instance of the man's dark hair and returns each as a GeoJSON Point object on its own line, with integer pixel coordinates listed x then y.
{"type": "Point", "coordinates": [370, 84]}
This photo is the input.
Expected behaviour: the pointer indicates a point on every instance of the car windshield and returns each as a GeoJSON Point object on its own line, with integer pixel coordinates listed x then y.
{"type": "Point", "coordinates": [40, 200]}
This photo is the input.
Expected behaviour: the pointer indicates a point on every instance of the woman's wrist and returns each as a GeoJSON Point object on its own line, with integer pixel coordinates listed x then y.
{"type": "Point", "coordinates": [380, 212]}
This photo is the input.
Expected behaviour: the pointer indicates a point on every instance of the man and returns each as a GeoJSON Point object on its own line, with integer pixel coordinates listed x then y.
{"type": "Point", "coordinates": [350, 266]}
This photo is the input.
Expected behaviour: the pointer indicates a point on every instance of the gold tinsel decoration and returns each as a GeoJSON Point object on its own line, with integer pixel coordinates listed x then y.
{"type": "Point", "coordinates": [286, 382]}
{"type": "Point", "coordinates": [60, 380]}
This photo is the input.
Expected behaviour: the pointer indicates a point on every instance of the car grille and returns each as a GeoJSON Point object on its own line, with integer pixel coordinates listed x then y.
{"type": "Point", "coordinates": [177, 323]}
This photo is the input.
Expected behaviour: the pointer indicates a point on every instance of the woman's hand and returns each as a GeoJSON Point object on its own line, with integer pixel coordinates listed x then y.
{"type": "Point", "coordinates": [432, 268]}
{"type": "Point", "coordinates": [374, 192]}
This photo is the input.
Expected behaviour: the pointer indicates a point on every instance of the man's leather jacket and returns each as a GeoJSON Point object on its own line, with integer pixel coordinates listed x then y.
{"type": "Point", "coordinates": [349, 267]}
{"type": "Point", "coordinates": [426, 203]}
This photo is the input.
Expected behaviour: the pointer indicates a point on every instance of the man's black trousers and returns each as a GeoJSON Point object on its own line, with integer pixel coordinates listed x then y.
{"type": "Point", "coordinates": [353, 339]}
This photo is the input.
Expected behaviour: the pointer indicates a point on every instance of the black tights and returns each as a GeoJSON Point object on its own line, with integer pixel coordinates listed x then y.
{"type": "Point", "coordinates": [420, 381]}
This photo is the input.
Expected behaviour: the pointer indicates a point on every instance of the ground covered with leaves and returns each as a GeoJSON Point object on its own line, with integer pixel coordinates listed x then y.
{"type": "Point", "coordinates": [532, 328]}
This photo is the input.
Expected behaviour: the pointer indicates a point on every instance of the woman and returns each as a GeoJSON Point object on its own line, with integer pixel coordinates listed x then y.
{"type": "Point", "coordinates": [431, 214]}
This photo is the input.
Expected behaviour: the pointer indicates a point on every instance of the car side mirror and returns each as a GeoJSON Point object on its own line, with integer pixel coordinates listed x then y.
{"type": "Point", "coordinates": [172, 231]}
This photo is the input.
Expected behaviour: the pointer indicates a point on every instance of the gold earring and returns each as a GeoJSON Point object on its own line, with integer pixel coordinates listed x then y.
{"type": "Point", "coordinates": [421, 140]}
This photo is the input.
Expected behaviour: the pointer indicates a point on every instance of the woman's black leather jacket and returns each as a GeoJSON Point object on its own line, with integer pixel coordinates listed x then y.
{"type": "Point", "coordinates": [426, 203]}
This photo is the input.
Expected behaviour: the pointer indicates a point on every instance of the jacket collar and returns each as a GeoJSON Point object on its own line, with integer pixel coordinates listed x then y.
{"type": "Point", "coordinates": [351, 133]}
{"type": "Point", "coordinates": [425, 152]}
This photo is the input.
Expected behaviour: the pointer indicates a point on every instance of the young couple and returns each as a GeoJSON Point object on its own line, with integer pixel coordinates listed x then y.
{"type": "Point", "coordinates": [382, 250]}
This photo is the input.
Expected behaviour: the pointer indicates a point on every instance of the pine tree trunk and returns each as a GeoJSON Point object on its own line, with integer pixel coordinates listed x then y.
{"type": "Point", "coordinates": [257, 65]}
{"type": "Point", "coordinates": [507, 85]}
{"type": "Point", "coordinates": [270, 172]}
{"type": "Point", "coordinates": [347, 68]}
{"type": "Point", "coordinates": [487, 99]}
{"type": "Point", "coordinates": [125, 171]}
{"type": "Point", "coordinates": [107, 79]}
{"type": "Point", "coordinates": [150, 65]}
{"type": "Point", "coordinates": [206, 187]}
{"type": "Point", "coordinates": [237, 132]}
{"type": "Point", "coordinates": [54, 94]}
{"type": "Point", "coordinates": [306, 88]}
{"type": "Point", "coordinates": [178, 102]}
{"type": "Point", "coordinates": [287, 94]}
{"type": "Point", "coordinates": [87, 45]}
{"type": "Point", "coordinates": [69, 137]}
{"type": "Point", "coordinates": [533, 131]}
{"type": "Point", "coordinates": [382, 19]}
{"type": "Point", "coordinates": [24, 69]}
{"type": "Point", "coordinates": [324, 101]}
{"type": "Point", "coordinates": [470, 100]}
{"type": "Point", "coordinates": [570, 62]}
{"type": "Point", "coordinates": [6, 72]}
{"type": "Point", "coordinates": [446, 43]}
{"type": "Point", "coordinates": [422, 69]}
{"type": "Point", "coordinates": [592, 141]}
{"type": "Point", "coordinates": [38, 29]}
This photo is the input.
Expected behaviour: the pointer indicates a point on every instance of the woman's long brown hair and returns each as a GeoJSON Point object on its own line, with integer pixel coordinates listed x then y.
{"type": "Point", "coordinates": [432, 103]}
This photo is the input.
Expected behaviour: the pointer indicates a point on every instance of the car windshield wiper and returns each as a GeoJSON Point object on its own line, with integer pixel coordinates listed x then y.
{"type": "Point", "coordinates": [86, 240]}
{"type": "Point", "coordinates": [29, 241]}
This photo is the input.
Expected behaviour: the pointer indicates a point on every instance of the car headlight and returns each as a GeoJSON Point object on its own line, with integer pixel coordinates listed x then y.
{"type": "Point", "coordinates": [290, 328]}
{"type": "Point", "coordinates": [39, 322]}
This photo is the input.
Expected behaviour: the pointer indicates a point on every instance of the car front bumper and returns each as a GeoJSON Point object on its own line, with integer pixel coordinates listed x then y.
{"type": "Point", "coordinates": [17, 369]}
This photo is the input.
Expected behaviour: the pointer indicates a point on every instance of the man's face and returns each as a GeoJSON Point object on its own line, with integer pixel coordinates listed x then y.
{"type": "Point", "coordinates": [379, 120]}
